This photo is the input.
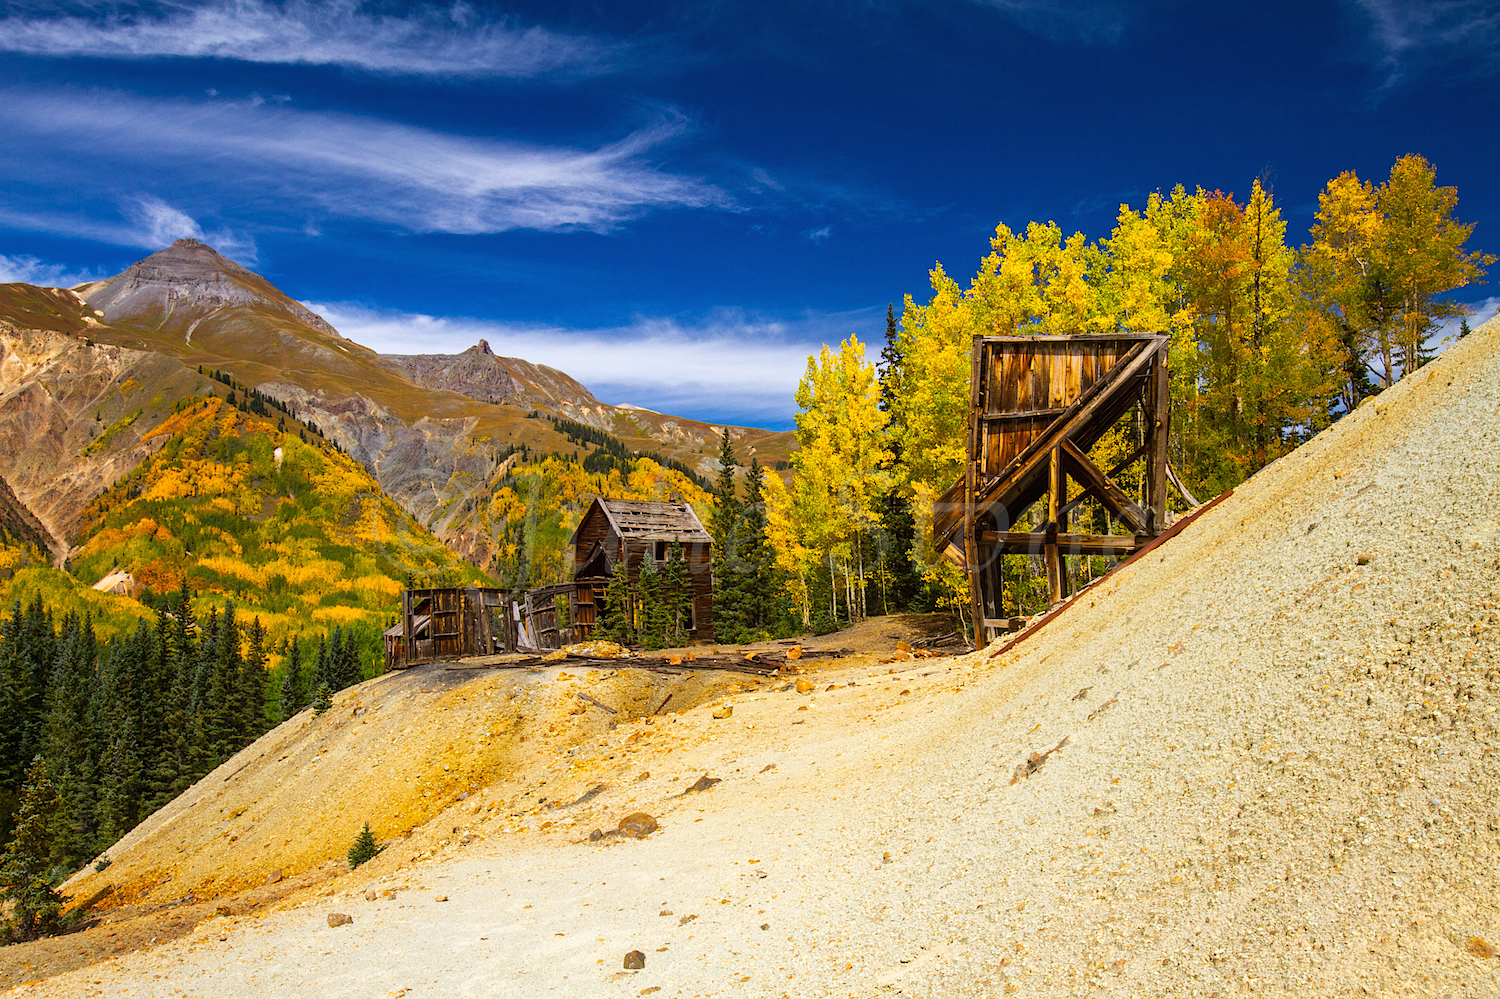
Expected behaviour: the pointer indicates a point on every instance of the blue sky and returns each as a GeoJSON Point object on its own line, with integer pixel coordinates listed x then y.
{"type": "Point", "coordinates": [677, 203]}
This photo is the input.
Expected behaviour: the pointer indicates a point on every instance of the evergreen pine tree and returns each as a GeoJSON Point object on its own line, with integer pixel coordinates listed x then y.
{"type": "Point", "coordinates": [350, 670]}
{"type": "Point", "coordinates": [253, 685]}
{"type": "Point", "coordinates": [895, 571]}
{"type": "Point", "coordinates": [364, 848]}
{"type": "Point", "coordinates": [759, 611]}
{"type": "Point", "coordinates": [676, 596]}
{"type": "Point", "coordinates": [24, 874]}
{"type": "Point", "coordinates": [614, 620]}
{"type": "Point", "coordinates": [223, 710]}
{"type": "Point", "coordinates": [651, 614]}
{"type": "Point", "coordinates": [890, 361]}
{"type": "Point", "coordinates": [725, 529]}
{"type": "Point", "coordinates": [321, 676]}
{"type": "Point", "coordinates": [726, 506]}
{"type": "Point", "coordinates": [323, 699]}
{"type": "Point", "coordinates": [295, 691]}
{"type": "Point", "coordinates": [1463, 328]}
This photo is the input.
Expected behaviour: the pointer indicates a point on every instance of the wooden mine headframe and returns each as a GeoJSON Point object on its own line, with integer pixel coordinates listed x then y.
{"type": "Point", "coordinates": [1037, 405]}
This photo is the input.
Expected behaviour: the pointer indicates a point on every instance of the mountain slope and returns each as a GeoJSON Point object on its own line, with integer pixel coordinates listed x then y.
{"type": "Point", "coordinates": [73, 414]}
{"type": "Point", "coordinates": [19, 524]}
{"type": "Point", "coordinates": [1257, 761]}
{"type": "Point", "coordinates": [424, 426]}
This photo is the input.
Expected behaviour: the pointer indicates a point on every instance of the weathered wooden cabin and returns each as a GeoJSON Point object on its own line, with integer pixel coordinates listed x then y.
{"type": "Point", "coordinates": [634, 531]}
{"type": "Point", "coordinates": [1037, 405]}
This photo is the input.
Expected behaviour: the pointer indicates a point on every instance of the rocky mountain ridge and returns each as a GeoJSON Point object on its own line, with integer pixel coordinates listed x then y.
{"type": "Point", "coordinates": [430, 428]}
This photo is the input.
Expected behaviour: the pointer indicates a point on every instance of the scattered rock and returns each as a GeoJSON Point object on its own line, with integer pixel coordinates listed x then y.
{"type": "Point", "coordinates": [768, 766]}
{"type": "Point", "coordinates": [702, 784]}
{"type": "Point", "coordinates": [686, 919]}
{"type": "Point", "coordinates": [223, 910]}
{"type": "Point", "coordinates": [650, 989]}
{"type": "Point", "coordinates": [274, 877]}
{"type": "Point", "coordinates": [635, 961]}
{"type": "Point", "coordinates": [1035, 760]}
{"type": "Point", "coordinates": [1480, 947]}
{"type": "Point", "coordinates": [1082, 694]}
{"type": "Point", "coordinates": [463, 797]}
{"type": "Point", "coordinates": [886, 858]}
{"type": "Point", "coordinates": [371, 895]}
{"type": "Point", "coordinates": [804, 687]}
{"type": "Point", "coordinates": [441, 898]}
{"type": "Point", "coordinates": [1363, 560]}
{"type": "Point", "coordinates": [643, 775]}
{"type": "Point", "coordinates": [339, 919]}
{"type": "Point", "coordinates": [765, 926]}
{"type": "Point", "coordinates": [665, 912]}
{"type": "Point", "coordinates": [903, 646]}
{"type": "Point", "coordinates": [637, 824]}
{"type": "Point", "coordinates": [725, 711]}
{"type": "Point", "coordinates": [795, 652]}
{"type": "Point", "coordinates": [596, 835]}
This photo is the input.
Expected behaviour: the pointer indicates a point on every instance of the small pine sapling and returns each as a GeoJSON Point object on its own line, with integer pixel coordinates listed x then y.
{"type": "Point", "coordinates": [323, 700]}
{"type": "Point", "coordinates": [364, 848]}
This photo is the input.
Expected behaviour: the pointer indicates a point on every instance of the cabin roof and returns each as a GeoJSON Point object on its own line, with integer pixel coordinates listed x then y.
{"type": "Point", "coordinates": [648, 520]}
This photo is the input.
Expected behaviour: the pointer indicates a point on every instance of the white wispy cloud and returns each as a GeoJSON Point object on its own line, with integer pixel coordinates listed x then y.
{"type": "Point", "coordinates": [428, 41]}
{"type": "Point", "coordinates": [281, 159]}
{"type": "Point", "coordinates": [1405, 33]}
{"type": "Point", "coordinates": [145, 221]}
{"type": "Point", "coordinates": [30, 270]}
{"type": "Point", "coordinates": [727, 364]}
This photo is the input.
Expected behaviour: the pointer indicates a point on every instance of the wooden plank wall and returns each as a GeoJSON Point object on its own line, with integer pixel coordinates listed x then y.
{"type": "Point", "coordinates": [1035, 376]}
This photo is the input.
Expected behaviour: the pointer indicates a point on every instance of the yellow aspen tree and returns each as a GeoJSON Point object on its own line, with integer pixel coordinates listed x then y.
{"type": "Point", "coordinates": [784, 534]}
{"type": "Point", "coordinates": [1337, 274]}
{"type": "Point", "coordinates": [841, 462]}
{"type": "Point", "coordinates": [1422, 253]}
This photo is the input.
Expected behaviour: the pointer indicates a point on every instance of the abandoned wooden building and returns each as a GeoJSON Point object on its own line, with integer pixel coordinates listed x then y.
{"type": "Point", "coordinates": [1037, 405]}
{"type": "Point", "coordinates": [633, 531]}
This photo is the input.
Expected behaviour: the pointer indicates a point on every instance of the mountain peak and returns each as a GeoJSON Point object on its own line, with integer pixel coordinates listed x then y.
{"type": "Point", "coordinates": [483, 347]}
{"type": "Point", "coordinates": [187, 281]}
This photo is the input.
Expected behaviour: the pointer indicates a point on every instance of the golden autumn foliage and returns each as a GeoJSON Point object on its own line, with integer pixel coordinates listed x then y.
{"type": "Point", "coordinates": [304, 543]}
{"type": "Point", "coordinates": [1268, 344]}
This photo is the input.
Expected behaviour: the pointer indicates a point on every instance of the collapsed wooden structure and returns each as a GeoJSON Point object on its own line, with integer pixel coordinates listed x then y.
{"type": "Point", "coordinates": [1037, 405]}
{"type": "Point", "coordinates": [612, 531]}
{"type": "Point", "coordinates": [441, 623]}
{"type": "Point", "coordinates": [444, 623]}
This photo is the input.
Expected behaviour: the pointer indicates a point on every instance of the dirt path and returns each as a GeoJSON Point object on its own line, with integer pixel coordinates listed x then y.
{"type": "Point", "coordinates": [1258, 761]}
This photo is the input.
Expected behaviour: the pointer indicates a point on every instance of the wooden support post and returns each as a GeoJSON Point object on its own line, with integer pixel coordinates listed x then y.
{"type": "Point", "coordinates": [1157, 413]}
{"type": "Point", "coordinates": [406, 639]}
{"type": "Point", "coordinates": [971, 527]}
{"type": "Point", "coordinates": [1054, 509]}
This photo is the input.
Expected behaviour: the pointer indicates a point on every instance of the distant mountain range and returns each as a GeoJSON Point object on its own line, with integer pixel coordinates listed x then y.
{"type": "Point", "coordinates": [431, 429]}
